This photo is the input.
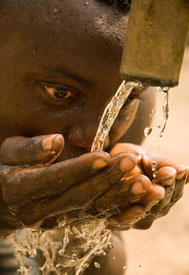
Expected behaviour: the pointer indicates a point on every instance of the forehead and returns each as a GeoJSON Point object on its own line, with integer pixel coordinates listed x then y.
{"type": "Point", "coordinates": [65, 17]}
{"type": "Point", "coordinates": [63, 30]}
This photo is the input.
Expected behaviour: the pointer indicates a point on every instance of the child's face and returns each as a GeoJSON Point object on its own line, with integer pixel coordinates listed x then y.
{"type": "Point", "coordinates": [59, 68]}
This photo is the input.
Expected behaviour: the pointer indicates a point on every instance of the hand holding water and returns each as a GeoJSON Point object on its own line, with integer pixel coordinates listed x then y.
{"type": "Point", "coordinates": [164, 180]}
{"type": "Point", "coordinates": [34, 191]}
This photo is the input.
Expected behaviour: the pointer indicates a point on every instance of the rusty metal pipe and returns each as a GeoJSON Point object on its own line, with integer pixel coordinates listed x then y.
{"type": "Point", "coordinates": [155, 42]}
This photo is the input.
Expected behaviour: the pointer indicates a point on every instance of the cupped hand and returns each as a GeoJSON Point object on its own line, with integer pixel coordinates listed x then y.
{"type": "Point", "coordinates": [34, 189]}
{"type": "Point", "coordinates": [164, 184]}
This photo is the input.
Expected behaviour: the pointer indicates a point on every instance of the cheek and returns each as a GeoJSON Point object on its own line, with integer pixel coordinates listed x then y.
{"type": "Point", "coordinates": [123, 122]}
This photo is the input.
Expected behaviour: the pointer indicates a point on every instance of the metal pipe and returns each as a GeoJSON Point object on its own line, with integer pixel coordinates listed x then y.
{"type": "Point", "coordinates": [155, 42]}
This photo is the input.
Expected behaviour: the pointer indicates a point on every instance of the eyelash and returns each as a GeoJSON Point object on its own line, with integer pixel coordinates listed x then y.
{"type": "Point", "coordinates": [136, 94]}
{"type": "Point", "coordinates": [58, 94]}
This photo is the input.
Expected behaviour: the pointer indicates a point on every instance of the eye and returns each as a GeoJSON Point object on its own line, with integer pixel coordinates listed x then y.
{"type": "Point", "coordinates": [59, 93]}
{"type": "Point", "coordinates": [135, 94]}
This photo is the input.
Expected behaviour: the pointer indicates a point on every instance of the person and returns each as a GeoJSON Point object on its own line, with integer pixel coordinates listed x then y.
{"type": "Point", "coordinates": [59, 68]}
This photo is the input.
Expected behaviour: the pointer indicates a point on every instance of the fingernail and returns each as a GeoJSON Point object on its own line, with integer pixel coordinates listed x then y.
{"type": "Point", "coordinates": [48, 143]}
{"type": "Point", "coordinates": [137, 188]}
{"type": "Point", "coordinates": [169, 181]}
{"type": "Point", "coordinates": [99, 163]}
{"type": "Point", "coordinates": [57, 141]}
{"type": "Point", "coordinates": [180, 175]}
{"type": "Point", "coordinates": [126, 164]}
{"type": "Point", "coordinates": [160, 192]}
{"type": "Point", "coordinates": [181, 171]}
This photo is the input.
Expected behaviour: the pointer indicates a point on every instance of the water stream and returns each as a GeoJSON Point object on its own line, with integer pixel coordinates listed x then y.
{"type": "Point", "coordinates": [165, 110]}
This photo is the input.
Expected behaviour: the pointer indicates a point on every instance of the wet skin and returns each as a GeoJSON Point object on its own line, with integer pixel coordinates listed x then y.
{"type": "Point", "coordinates": [59, 68]}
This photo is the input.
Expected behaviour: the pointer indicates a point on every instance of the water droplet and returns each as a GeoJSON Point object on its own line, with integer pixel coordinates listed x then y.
{"type": "Point", "coordinates": [32, 253]}
{"type": "Point", "coordinates": [61, 253]}
{"type": "Point", "coordinates": [155, 174]}
{"type": "Point", "coordinates": [61, 224]}
{"type": "Point", "coordinates": [114, 258]}
{"type": "Point", "coordinates": [139, 156]}
{"type": "Point", "coordinates": [154, 166]}
{"type": "Point", "coordinates": [165, 89]}
{"type": "Point", "coordinates": [110, 246]}
{"type": "Point", "coordinates": [147, 131]}
{"type": "Point", "coordinates": [159, 89]}
{"type": "Point", "coordinates": [153, 113]}
{"type": "Point", "coordinates": [98, 253]}
{"type": "Point", "coordinates": [124, 267]}
{"type": "Point", "coordinates": [86, 265]}
{"type": "Point", "coordinates": [58, 266]}
{"type": "Point", "coordinates": [96, 264]}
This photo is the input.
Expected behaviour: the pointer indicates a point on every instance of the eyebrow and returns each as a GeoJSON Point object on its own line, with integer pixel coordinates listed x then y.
{"type": "Point", "coordinates": [72, 75]}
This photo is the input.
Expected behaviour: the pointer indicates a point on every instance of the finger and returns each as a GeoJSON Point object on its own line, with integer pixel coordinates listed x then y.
{"type": "Point", "coordinates": [165, 176]}
{"type": "Point", "coordinates": [135, 171]}
{"type": "Point", "coordinates": [145, 223]}
{"type": "Point", "coordinates": [156, 193]}
{"type": "Point", "coordinates": [178, 190]}
{"type": "Point", "coordinates": [136, 150]}
{"type": "Point", "coordinates": [26, 184]}
{"type": "Point", "coordinates": [81, 195]}
{"type": "Point", "coordinates": [127, 219]}
{"type": "Point", "coordinates": [129, 190]}
{"type": "Point", "coordinates": [158, 207]}
{"type": "Point", "coordinates": [31, 151]}
{"type": "Point", "coordinates": [152, 162]}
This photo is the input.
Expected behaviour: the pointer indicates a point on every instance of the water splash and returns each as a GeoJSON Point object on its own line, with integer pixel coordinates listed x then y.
{"type": "Point", "coordinates": [66, 250]}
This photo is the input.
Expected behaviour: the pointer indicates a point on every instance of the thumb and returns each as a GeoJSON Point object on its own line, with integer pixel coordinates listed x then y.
{"type": "Point", "coordinates": [31, 151]}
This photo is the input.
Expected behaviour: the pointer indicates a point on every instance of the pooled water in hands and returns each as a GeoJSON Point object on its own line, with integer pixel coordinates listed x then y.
{"type": "Point", "coordinates": [69, 249]}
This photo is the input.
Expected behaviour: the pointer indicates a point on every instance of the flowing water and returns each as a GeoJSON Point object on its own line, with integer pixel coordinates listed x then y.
{"type": "Point", "coordinates": [69, 249]}
{"type": "Point", "coordinates": [111, 112]}
{"type": "Point", "coordinates": [165, 109]}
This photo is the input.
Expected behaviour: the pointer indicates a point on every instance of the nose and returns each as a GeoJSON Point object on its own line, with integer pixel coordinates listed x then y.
{"type": "Point", "coordinates": [83, 135]}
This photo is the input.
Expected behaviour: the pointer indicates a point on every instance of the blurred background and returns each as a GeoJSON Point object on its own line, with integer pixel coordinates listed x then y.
{"type": "Point", "coordinates": [164, 248]}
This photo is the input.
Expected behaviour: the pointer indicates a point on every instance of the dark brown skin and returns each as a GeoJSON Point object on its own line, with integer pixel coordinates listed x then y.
{"type": "Point", "coordinates": [47, 44]}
